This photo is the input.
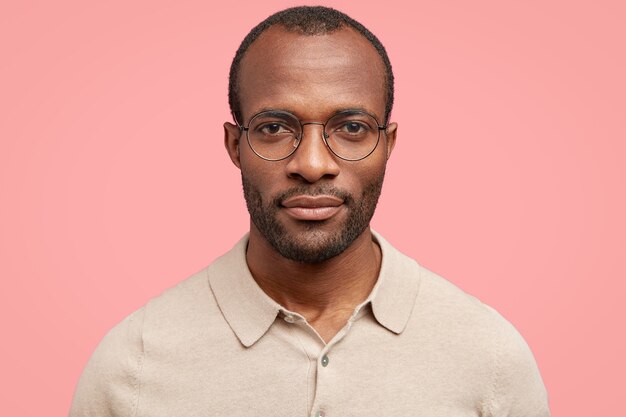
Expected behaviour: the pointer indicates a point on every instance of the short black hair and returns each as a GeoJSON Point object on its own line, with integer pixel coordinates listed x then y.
{"type": "Point", "coordinates": [309, 21]}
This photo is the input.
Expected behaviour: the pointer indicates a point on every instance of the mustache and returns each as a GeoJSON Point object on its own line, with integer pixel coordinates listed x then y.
{"type": "Point", "coordinates": [313, 191]}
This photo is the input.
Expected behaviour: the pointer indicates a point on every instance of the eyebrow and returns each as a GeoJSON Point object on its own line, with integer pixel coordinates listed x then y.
{"type": "Point", "coordinates": [274, 112]}
{"type": "Point", "coordinates": [348, 110]}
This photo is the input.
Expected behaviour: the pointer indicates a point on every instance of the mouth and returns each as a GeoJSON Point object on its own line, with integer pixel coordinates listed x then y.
{"type": "Point", "coordinates": [312, 208]}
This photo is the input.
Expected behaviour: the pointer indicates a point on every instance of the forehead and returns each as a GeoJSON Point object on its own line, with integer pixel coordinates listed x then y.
{"type": "Point", "coordinates": [311, 76]}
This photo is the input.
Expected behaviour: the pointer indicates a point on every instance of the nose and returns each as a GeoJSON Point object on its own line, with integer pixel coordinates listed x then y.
{"type": "Point", "coordinates": [312, 161]}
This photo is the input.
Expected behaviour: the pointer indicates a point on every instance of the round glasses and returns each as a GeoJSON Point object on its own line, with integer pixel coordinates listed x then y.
{"type": "Point", "coordinates": [350, 134]}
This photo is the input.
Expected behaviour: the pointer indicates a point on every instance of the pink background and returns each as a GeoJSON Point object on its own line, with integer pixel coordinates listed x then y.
{"type": "Point", "coordinates": [508, 177]}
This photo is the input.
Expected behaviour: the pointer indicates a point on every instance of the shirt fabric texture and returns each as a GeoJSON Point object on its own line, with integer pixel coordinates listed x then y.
{"type": "Point", "coordinates": [217, 345]}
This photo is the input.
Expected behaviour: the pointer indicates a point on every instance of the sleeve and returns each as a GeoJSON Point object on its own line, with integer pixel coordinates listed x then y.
{"type": "Point", "coordinates": [518, 390]}
{"type": "Point", "coordinates": [110, 383]}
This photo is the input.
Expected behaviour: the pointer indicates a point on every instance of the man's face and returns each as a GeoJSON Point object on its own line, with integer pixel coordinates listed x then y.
{"type": "Point", "coordinates": [312, 205]}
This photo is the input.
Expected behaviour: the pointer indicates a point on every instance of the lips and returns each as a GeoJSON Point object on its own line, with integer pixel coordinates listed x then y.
{"type": "Point", "coordinates": [312, 208]}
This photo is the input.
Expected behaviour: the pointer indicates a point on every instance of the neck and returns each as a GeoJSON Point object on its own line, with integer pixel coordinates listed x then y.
{"type": "Point", "coordinates": [325, 293]}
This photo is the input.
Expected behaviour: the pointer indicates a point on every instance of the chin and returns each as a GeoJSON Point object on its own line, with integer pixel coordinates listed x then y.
{"type": "Point", "coordinates": [312, 245]}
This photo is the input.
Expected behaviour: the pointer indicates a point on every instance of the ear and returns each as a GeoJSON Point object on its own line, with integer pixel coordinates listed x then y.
{"type": "Point", "coordinates": [232, 133]}
{"type": "Point", "coordinates": [391, 132]}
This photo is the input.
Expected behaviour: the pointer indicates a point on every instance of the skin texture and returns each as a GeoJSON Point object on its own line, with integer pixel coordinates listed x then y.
{"type": "Point", "coordinates": [320, 269]}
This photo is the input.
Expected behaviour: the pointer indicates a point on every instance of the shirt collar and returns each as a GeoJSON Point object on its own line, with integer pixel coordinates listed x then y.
{"type": "Point", "coordinates": [246, 308]}
{"type": "Point", "coordinates": [250, 312]}
{"type": "Point", "coordinates": [396, 290]}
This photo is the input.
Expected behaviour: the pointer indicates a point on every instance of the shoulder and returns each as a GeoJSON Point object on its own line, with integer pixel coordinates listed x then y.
{"type": "Point", "coordinates": [458, 309]}
{"type": "Point", "coordinates": [181, 302]}
{"type": "Point", "coordinates": [109, 384]}
{"type": "Point", "coordinates": [453, 311]}
{"type": "Point", "coordinates": [477, 334]}
{"type": "Point", "coordinates": [111, 381]}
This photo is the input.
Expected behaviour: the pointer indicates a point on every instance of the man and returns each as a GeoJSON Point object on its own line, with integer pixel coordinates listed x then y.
{"type": "Point", "coordinates": [312, 313]}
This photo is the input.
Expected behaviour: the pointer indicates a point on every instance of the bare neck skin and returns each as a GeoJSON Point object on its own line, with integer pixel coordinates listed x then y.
{"type": "Point", "coordinates": [326, 293]}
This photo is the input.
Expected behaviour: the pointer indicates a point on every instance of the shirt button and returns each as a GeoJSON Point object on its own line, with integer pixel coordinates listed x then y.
{"type": "Point", "coordinates": [290, 319]}
{"type": "Point", "coordinates": [320, 414]}
{"type": "Point", "coordinates": [325, 361]}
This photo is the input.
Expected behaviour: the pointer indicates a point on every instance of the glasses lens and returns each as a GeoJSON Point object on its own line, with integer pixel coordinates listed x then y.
{"type": "Point", "coordinates": [274, 135]}
{"type": "Point", "coordinates": [352, 135]}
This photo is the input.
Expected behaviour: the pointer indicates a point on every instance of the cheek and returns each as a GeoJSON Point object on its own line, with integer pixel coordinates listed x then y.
{"type": "Point", "coordinates": [370, 169]}
{"type": "Point", "coordinates": [262, 175]}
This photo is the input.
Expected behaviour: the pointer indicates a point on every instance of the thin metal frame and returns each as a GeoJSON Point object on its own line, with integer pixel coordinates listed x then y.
{"type": "Point", "coordinates": [324, 133]}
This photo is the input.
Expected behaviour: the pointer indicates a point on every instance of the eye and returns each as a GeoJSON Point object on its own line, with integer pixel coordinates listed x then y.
{"type": "Point", "coordinates": [273, 128]}
{"type": "Point", "coordinates": [352, 127]}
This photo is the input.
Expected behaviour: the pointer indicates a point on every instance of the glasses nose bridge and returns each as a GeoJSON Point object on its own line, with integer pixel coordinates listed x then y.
{"type": "Point", "coordinates": [323, 135]}
{"type": "Point", "coordinates": [314, 123]}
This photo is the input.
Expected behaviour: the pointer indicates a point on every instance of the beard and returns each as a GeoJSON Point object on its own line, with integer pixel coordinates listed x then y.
{"type": "Point", "coordinates": [312, 244]}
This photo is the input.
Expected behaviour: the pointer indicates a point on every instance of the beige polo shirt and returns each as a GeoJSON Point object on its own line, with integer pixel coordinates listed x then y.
{"type": "Point", "coordinates": [217, 345]}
